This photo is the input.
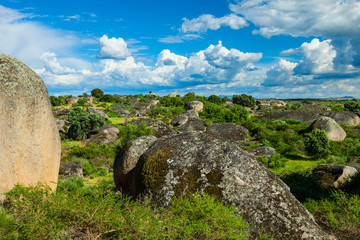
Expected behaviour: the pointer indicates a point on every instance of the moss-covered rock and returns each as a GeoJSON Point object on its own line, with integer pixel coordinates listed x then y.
{"type": "Point", "coordinates": [184, 163]}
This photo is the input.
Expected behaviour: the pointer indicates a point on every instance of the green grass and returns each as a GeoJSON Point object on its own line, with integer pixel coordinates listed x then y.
{"type": "Point", "coordinates": [297, 166]}
{"type": "Point", "coordinates": [98, 212]}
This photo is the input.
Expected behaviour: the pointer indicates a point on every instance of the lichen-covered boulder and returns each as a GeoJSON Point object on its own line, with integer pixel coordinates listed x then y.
{"type": "Point", "coordinates": [301, 116]}
{"type": "Point", "coordinates": [183, 118]}
{"type": "Point", "coordinates": [72, 100]}
{"type": "Point", "coordinates": [92, 110]}
{"type": "Point", "coordinates": [333, 130]}
{"type": "Point", "coordinates": [126, 161]}
{"type": "Point", "coordinates": [228, 131]}
{"type": "Point", "coordinates": [71, 169]}
{"type": "Point", "coordinates": [29, 138]}
{"type": "Point", "coordinates": [104, 135]}
{"type": "Point", "coordinates": [182, 164]}
{"type": "Point", "coordinates": [262, 151]}
{"type": "Point", "coordinates": [333, 175]}
{"type": "Point", "coordinates": [195, 105]}
{"type": "Point", "coordinates": [347, 118]}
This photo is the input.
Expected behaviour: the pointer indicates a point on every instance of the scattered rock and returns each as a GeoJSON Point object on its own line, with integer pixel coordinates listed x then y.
{"type": "Point", "coordinates": [61, 123]}
{"type": "Point", "coordinates": [182, 164]}
{"type": "Point", "coordinates": [316, 108]}
{"type": "Point", "coordinates": [301, 116]}
{"type": "Point", "coordinates": [30, 144]}
{"type": "Point", "coordinates": [72, 100]}
{"type": "Point", "coordinates": [333, 175]}
{"type": "Point", "coordinates": [194, 105]}
{"type": "Point", "coordinates": [105, 135]}
{"type": "Point", "coordinates": [263, 102]}
{"type": "Point", "coordinates": [262, 150]}
{"type": "Point", "coordinates": [174, 94]}
{"type": "Point", "coordinates": [193, 125]}
{"type": "Point", "coordinates": [126, 161]}
{"type": "Point", "coordinates": [347, 118]}
{"type": "Point", "coordinates": [154, 102]}
{"type": "Point", "coordinates": [61, 112]}
{"type": "Point", "coordinates": [277, 103]}
{"type": "Point", "coordinates": [71, 169]}
{"type": "Point", "coordinates": [333, 130]}
{"type": "Point", "coordinates": [92, 110]}
{"type": "Point", "coordinates": [159, 127]}
{"type": "Point", "coordinates": [228, 131]}
{"type": "Point", "coordinates": [183, 118]}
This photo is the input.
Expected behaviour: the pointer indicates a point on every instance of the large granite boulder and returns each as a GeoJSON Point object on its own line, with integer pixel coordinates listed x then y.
{"type": "Point", "coordinates": [29, 140]}
{"type": "Point", "coordinates": [126, 161]}
{"type": "Point", "coordinates": [195, 105]}
{"type": "Point", "coordinates": [262, 151]}
{"type": "Point", "coordinates": [61, 112]}
{"type": "Point", "coordinates": [333, 130]}
{"type": "Point", "coordinates": [104, 135]}
{"type": "Point", "coordinates": [71, 169]}
{"type": "Point", "coordinates": [347, 118]}
{"type": "Point", "coordinates": [159, 127]}
{"type": "Point", "coordinates": [181, 164]}
{"type": "Point", "coordinates": [183, 118]}
{"type": "Point", "coordinates": [92, 110]}
{"type": "Point", "coordinates": [193, 125]}
{"type": "Point", "coordinates": [228, 131]}
{"type": "Point", "coordinates": [333, 175]}
{"type": "Point", "coordinates": [301, 116]}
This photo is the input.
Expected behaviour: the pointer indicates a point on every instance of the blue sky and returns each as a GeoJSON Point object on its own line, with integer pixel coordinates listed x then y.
{"type": "Point", "coordinates": [269, 48]}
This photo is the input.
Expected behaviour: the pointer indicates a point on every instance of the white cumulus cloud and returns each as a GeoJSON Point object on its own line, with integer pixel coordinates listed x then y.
{"type": "Point", "coordinates": [113, 48]}
{"type": "Point", "coordinates": [208, 21]}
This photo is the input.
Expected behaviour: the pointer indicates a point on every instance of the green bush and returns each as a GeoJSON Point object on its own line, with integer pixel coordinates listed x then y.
{"type": "Point", "coordinates": [217, 113]}
{"type": "Point", "coordinates": [97, 93]}
{"type": "Point", "coordinates": [82, 123]}
{"type": "Point", "coordinates": [215, 99]}
{"type": "Point", "coordinates": [107, 98]}
{"type": "Point", "coordinates": [8, 226]}
{"type": "Point", "coordinates": [132, 131]}
{"type": "Point", "coordinates": [57, 101]}
{"type": "Point", "coordinates": [352, 106]}
{"type": "Point", "coordinates": [317, 143]}
{"type": "Point", "coordinates": [244, 100]}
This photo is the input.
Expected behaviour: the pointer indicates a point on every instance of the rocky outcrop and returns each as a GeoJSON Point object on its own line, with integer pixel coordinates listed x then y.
{"type": "Point", "coordinates": [278, 103]}
{"type": "Point", "coordinates": [71, 169]}
{"type": "Point", "coordinates": [262, 151]}
{"type": "Point", "coordinates": [105, 135]}
{"type": "Point", "coordinates": [29, 140]}
{"type": "Point", "coordinates": [181, 164]}
{"type": "Point", "coordinates": [347, 118]}
{"type": "Point", "coordinates": [301, 116]}
{"type": "Point", "coordinates": [316, 108]}
{"type": "Point", "coordinates": [333, 130]}
{"type": "Point", "coordinates": [333, 175]}
{"type": "Point", "coordinates": [89, 99]}
{"type": "Point", "coordinates": [126, 161]}
{"type": "Point", "coordinates": [92, 110]}
{"type": "Point", "coordinates": [61, 112]}
{"type": "Point", "coordinates": [61, 123]}
{"type": "Point", "coordinates": [228, 131]}
{"type": "Point", "coordinates": [194, 105]}
{"type": "Point", "coordinates": [193, 125]}
{"type": "Point", "coordinates": [174, 94]}
{"type": "Point", "coordinates": [183, 118]}
{"type": "Point", "coordinates": [263, 102]}
{"type": "Point", "coordinates": [72, 100]}
{"type": "Point", "coordinates": [159, 127]}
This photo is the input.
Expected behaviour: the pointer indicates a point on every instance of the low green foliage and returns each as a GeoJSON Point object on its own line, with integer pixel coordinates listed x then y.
{"type": "Point", "coordinates": [317, 143]}
{"type": "Point", "coordinates": [57, 101]}
{"type": "Point", "coordinates": [217, 113]}
{"type": "Point", "coordinates": [340, 212]}
{"type": "Point", "coordinates": [98, 212]}
{"type": "Point", "coordinates": [244, 100]}
{"type": "Point", "coordinates": [215, 99]}
{"type": "Point", "coordinates": [352, 106]}
{"type": "Point", "coordinates": [8, 226]}
{"type": "Point", "coordinates": [132, 131]}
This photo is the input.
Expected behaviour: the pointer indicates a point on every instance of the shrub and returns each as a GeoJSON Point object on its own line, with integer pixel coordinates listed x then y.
{"type": "Point", "coordinates": [55, 101]}
{"type": "Point", "coordinates": [217, 113]}
{"type": "Point", "coordinates": [317, 143]}
{"type": "Point", "coordinates": [8, 226]}
{"type": "Point", "coordinates": [97, 93]}
{"type": "Point", "coordinates": [215, 99]}
{"type": "Point", "coordinates": [190, 96]}
{"type": "Point", "coordinates": [82, 123]}
{"type": "Point", "coordinates": [352, 106]}
{"type": "Point", "coordinates": [244, 100]}
{"type": "Point", "coordinates": [132, 131]}
{"type": "Point", "coordinates": [107, 98]}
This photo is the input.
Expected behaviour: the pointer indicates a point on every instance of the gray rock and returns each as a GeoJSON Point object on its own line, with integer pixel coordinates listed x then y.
{"type": "Point", "coordinates": [181, 164]}
{"type": "Point", "coordinates": [333, 130]}
{"type": "Point", "coordinates": [72, 100]}
{"type": "Point", "coordinates": [262, 150]}
{"type": "Point", "coordinates": [195, 105]}
{"type": "Point", "coordinates": [301, 116]}
{"type": "Point", "coordinates": [126, 161]}
{"type": "Point", "coordinates": [318, 108]}
{"type": "Point", "coordinates": [61, 112]}
{"type": "Point", "coordinates": [347, 118]}
{"type": "Point", "coordinates": [105, 135]}
{"type": "Point", "coordinates": [333, 175]}
{"type": "Point", "coordinates": [278, 103]}
{"type": "Point", "coordinates": [92, 110]}
{"type": "Point", "coordinates": [228, 131]}
{"type": "Point", "coordinates": [71, 169]}
{"type": "Point", "coordinates": [174, 94]}
{"type": "Point", "coordinates": [193, 125]}
{"type": "Point", "coordinates": [183, 118]}
{"type": "Point", "coordinates": [61, 123]}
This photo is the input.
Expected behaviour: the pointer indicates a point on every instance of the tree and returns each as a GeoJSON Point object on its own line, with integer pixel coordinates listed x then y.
{"type": "Point", "coordinates": [107, 98]}
{"type": "Point", "coordinates": [55, 101]}
{"type": "Point", "coordinates": [97, 93]}
{"type": "Point", "coordinates": [317, 143]}
{"type": "Point", "coordinates": [244, 100]}
{"type": "Point", "coordinates": [82, 123]}
{"type": "Point", "coordinates": [352, 106]}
